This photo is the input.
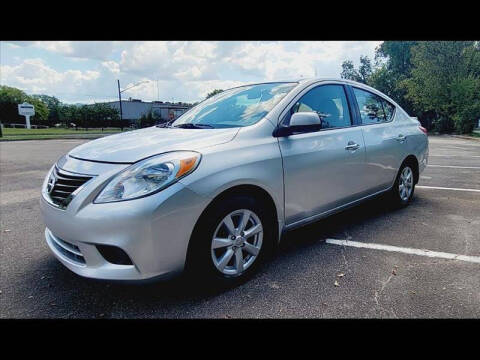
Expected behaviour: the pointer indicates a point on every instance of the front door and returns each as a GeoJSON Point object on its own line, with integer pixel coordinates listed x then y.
{"type": "Point", "coordinates": [324, 169]}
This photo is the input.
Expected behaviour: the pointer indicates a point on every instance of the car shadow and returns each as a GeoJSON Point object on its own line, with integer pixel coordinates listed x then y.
{"type": "Point", "coordinates": [337, 224]}
{"type": "Point", "coordinates": [96, 298]}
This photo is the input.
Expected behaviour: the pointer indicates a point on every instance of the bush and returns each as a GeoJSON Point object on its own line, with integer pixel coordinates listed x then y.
{"type": "Point", "coordinates": [466, 103]}
{"type": "Point", "coordinates": [443, 125]}
{"type": "Point", "coordinates": [146, 120]}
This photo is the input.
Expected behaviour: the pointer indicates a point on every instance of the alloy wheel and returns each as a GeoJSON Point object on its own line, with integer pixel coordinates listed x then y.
{"type": "Point", "coordinates": [236, 242]}
{"type": "Point", "coordinates": [405, 183]}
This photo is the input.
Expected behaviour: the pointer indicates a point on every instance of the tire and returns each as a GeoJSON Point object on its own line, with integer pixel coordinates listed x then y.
{"type": "Point", "coordinates": [404, 186]}
{"type": "Point", "coordinates": [206, 263]}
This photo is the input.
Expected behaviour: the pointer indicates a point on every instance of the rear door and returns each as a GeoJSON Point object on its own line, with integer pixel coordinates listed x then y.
{"type": "Point", "coordinates": [322, 169]}
{"type": "Point", "coordinates": [384, 140]}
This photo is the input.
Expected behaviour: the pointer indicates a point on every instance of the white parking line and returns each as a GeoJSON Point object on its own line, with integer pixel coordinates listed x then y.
{"type": "Point", "coordinates": [467, 156]}
{"type": "Point", "coordinates": [444, 188]}
{"type": "Point", "coordinates": [420, 252]}
{"type": "Point", "coordinates": [454, 167]}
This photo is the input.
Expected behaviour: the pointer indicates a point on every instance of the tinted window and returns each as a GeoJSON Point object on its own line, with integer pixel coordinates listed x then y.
{"type": "Point", "coordinates": [389, 109]}
{"type": "Point", "coordinates": [329, 102]}
{"type": "Point", "coordinates": [373, 109]}
{"type": "Point", "coordinates": [236, 107]}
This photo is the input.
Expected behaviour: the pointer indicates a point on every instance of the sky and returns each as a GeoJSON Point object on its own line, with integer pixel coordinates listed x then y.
{"type": "Point", "coordinates": [87, 71]}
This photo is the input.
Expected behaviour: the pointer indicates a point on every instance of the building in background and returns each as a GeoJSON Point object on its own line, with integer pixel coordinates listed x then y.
{"type": "Point", "coordinates": [134, 109]}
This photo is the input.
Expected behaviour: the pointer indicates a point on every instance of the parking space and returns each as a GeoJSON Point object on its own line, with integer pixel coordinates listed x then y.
{"type": "Point", "coordinates": [311, 277]}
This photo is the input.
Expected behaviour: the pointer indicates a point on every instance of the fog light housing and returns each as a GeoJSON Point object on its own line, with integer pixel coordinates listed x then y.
{"type": "Point", "coordinates": [114, 255]}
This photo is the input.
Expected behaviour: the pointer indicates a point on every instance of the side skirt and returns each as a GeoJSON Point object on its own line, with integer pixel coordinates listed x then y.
{"type": "Point", "coordinates": [327, 213]}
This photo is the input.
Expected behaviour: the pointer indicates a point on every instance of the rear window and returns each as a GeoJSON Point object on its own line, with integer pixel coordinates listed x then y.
{"type": "Point", "coordinates": [373, 108]}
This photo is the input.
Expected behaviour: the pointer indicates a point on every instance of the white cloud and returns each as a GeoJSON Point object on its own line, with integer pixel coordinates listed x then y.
{"type": "Point", "coordinates": [34, 76]}
{"type": "Point", "coordinates": [185, 71]}
{"type": "Point", "coordinates": [112, 66]}
{"type": "Point", "coordinates": [99, 50]}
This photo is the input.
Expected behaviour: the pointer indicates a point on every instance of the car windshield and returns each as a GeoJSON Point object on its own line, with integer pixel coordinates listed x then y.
{"type": "Point", "coordinates": [238, 107]}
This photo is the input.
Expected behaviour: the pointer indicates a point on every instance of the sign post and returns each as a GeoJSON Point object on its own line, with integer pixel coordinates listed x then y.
{"type": "Point", "coordinates": [26, 110]}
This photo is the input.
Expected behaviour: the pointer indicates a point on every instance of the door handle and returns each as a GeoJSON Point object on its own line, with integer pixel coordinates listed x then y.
{"type": "Point", "coordinates": [352, 145]}
{"type": "Point", "coordinates": [401, 138]}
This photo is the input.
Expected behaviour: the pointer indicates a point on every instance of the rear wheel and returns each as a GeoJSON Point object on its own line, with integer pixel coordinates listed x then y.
{"type": "Point", "coordinates": [404, 187]}
{"type": "Point", "coordinates": [231, 240]}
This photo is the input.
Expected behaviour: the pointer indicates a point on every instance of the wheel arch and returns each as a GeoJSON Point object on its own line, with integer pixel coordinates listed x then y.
{"type": "Point", "coordinates": [412, 160]}
{"type": "Point", "coordinates": [247, 189]}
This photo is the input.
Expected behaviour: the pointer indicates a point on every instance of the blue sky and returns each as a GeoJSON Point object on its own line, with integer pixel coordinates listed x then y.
{"type": "Point", "coordinates": [87, 71]}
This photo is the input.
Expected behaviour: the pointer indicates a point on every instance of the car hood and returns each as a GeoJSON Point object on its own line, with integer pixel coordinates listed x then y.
{"type": "Point", "coordinates": [135, 145]}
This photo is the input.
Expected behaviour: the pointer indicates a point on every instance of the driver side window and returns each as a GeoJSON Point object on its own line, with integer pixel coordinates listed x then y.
{"type": "Point", "coordinates": [329, 102]}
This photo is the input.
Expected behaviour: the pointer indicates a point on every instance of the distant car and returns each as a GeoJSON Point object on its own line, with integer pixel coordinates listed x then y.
{"type": "Point", "coordinates": [213, 191]}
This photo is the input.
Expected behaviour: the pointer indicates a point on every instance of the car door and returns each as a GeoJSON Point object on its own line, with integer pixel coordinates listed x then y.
{"type": "Point", "coordinates": [384, 139]}
{"type": "Point", "coordinates": [323, 169]}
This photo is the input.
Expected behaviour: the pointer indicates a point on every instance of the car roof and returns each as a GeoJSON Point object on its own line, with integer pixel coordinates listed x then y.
{"type": "Point", "coordinates": [304, 80]}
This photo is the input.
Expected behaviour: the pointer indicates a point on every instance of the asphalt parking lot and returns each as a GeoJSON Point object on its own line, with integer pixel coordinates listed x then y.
{"type": "Point", "coordinates": [316, 274]}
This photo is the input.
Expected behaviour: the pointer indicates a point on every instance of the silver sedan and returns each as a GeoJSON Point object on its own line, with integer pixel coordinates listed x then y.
{"type": "Point", "coordinates": [212, 191]}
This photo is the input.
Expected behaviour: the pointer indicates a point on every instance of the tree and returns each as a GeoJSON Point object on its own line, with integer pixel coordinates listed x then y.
{"type": "Point", "coordinates": [393, 66]}
{"type": "Point", "coordinates": [53, 105]}
{"type": "Point", "coordinates": [361, 75]}
{"type": "Point", "coordinates": [348, 71]}
{"type": "Point", "coordinates": [41, 111]}
{"type": "Point", "coordinates": [10, 97]}
{"type": "Point", "coordinates": [445, 79]}
{"type": "Point", "coordinates": [398, 55]}
{"type": "Point", "coordinates": [213, 93]}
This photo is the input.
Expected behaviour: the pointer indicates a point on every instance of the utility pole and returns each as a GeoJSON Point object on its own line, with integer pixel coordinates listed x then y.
{"type": "Point", "coordinates": [120, 95]}
{"type": "Point", "coordinates": [120, 100]}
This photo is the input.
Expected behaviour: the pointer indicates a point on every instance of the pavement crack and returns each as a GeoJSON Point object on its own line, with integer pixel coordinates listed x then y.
{"type": "Point", "coordinates": [378, 293]}
{"type": "Point", "coordinates": [344, 259]}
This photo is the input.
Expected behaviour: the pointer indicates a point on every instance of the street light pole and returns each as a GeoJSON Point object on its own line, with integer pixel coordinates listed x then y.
{"type": "Point", "coordinates": [120, 94]}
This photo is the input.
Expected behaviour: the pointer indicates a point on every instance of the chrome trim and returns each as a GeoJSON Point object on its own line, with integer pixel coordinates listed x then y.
{"type": "Point", "coordinates": [57, 245]}
{"type": "Point", "coordinates": [46, 193]}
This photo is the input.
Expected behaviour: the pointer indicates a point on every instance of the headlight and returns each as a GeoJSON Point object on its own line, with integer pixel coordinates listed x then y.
{"type": "Point", "coordinates": [149, 176]}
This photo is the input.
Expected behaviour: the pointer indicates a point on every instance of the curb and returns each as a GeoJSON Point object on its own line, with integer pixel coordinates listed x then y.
{"type": "Point", "coordinates": [60, 137]}
{"type": "Point", "coordinates": [466, 137]}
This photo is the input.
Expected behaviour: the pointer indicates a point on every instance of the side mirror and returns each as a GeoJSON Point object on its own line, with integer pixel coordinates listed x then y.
{"type": "Point", "coordinates": [300, 122]}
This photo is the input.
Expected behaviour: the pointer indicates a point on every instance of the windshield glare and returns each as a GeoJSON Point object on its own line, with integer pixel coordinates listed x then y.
{"type": "Point", "coordinates": [242, 106]}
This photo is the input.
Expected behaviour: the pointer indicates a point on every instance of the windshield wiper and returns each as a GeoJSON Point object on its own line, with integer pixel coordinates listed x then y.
{"type": "Point", "coordinates": [166, 124]}
{"type": "Point", "coordinates": [194, 126]}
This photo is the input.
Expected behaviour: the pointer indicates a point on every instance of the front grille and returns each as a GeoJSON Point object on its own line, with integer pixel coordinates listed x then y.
{"type": "Point", "coordinates": [62, 185]}
{"type": "Point", "coordinates": [70, 251]}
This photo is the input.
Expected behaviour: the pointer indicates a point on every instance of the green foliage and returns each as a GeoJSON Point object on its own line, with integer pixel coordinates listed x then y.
{"type": "Point", "coordinates": [147, 120]}
{"type": "Point", "coordinates": [213, 93]}
{"type": "Point", "coordinates": [361, 75]}
{"type": "Point", "coordinates": [10, 98]}
{"type": "Point", "coordinates": [436, 81]}
{"type": "Point", "coordinates": [398, 55]}
{"type": "Point", "coordinates": [465, 97]}
{"type": "Point", "coordinates": [445, 79]}
{"type": "Point", "coordinates": [50, 111]}
{"type": "Point", "coordinates": [53, 105]}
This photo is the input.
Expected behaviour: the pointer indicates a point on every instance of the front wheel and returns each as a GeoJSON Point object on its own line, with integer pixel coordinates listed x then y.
{"type": "Point", "coordinates": [231, 240]}
{"type": "Point", "coordinates": [404, 187]}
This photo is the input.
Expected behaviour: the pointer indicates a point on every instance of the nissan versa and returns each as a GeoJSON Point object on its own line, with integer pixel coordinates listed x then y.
{"type": "Point", "coordinates": [212, 191]}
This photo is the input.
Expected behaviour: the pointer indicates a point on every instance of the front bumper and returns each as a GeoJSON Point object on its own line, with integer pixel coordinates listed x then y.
{"type": "Point", "coordinates": [153, 231]}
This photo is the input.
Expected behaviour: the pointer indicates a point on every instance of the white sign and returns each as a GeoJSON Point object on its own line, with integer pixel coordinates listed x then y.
{"type": "Point", "coordinates": [26, 110]}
